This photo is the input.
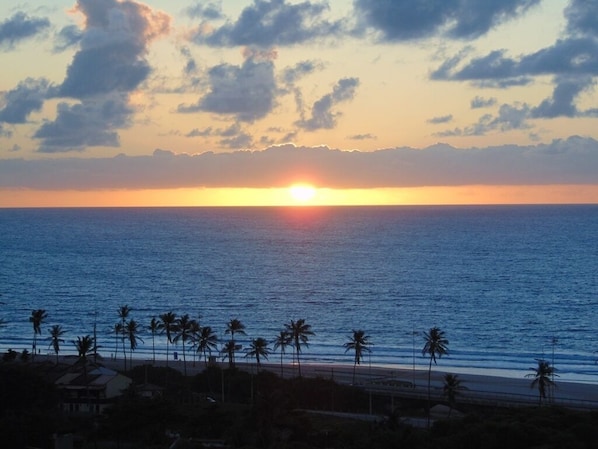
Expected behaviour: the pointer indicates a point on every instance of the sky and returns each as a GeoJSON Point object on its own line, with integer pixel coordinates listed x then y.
{"type": "Point", "coordinates": [232, 102]}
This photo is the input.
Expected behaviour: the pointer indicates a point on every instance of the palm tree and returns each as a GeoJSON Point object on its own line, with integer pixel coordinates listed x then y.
{"type": "Point", "coordinates": [258, 348]}
{"type": "Point", "coordinates": [84, 345]}
{"type": "Point", "coordinates": [55, 333]}
{"type": "Point", "coordinates": [228, 351]}
{"type": "Point", "coordinates": [118, 330]}
{"type": "Point", "coordinates": [436, 346]}
{"type": "Point", "coordinates": [168, 326]}
{"type": "Point", "coordinates": [282, 340]}
{"type": "Point", "coordinates": [543, 374]}
{"type": "Point", "coordinates": [358, 343]}
{"type": "Point", "coordinates": [195, 331]}
{"type": "Point", "coordinates": [154, 327]}
{"type": "Point", "coordinates": [37, 318]}
{"type": "Point", "coordinates": [206, 341]}
{"type": "Point", "coordinates": [184, 332]}
{"type": "Point", "coordinates": [131, 331]}
{"type": "Point", "coordinates": [123, 314]}
{"type": "Point", "coordinates": [452, 387]}
{"type": "Point", "coordinates": [299, 331]}
{"type": "Point", "coordinates": [234, 326]}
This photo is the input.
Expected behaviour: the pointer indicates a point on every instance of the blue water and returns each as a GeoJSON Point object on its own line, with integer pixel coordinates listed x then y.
{"type": "Point", "coordinates": [508, 284]}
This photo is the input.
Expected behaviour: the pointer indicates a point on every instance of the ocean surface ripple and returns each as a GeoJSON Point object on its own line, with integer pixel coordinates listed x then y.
{"type": "Point", "coordinates": [508, 284]}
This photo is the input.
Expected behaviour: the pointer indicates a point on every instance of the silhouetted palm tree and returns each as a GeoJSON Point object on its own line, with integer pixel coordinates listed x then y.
{"type": "Point", "coordinates": [132, 331]}
{"type": "Point", "coordinates": [84, 345]}
{"type": "Point", "coordinates": [234, 326]}
{"type": "Point", "coordinates": [154, 327]}
{"type": "Point", "coordinates": [37, 318]}
{"type": "Point", "coordinates": [195, 331]}
{"type": "Point", "coordinates": [300, 332]}
{"type": "Point", "coordinates": [123, 314]}
{"type": "Point", "coordinates": [542, 374]}
{"type": "Point", "coordinates": [228, 351]}
{"type": "Point", "coordinates": [436, 346]}
{"type": "Point", "coordinates": [258, 348]}
{"type": "Point", "coordinates": [55, 333]}
{"type": "Point", "coordinates": [184, 332]}
{"type": "Point", "coordinates": [358, 342]}
{"type": "Point", "coordinates": [206, 341]}
{"type": "Point", "coordinates": [452, 387]}
{"type": "Point", "coordinates": [282, 340]}
{"type": "Point", "coordinates": [118, 330]}
{"type": "Point", "coordinates": [168, 326]}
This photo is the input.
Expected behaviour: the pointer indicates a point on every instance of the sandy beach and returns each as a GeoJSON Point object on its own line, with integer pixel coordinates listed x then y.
{"type": "Point", "coordinates": [400, 381]}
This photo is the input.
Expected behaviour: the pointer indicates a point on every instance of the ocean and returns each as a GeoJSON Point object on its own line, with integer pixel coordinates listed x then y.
{"type": "Point", "coordinates": [507, 284]}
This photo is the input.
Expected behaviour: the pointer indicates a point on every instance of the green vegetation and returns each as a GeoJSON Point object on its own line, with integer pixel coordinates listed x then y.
{"type": "Point", "coordinates": [265, 411]}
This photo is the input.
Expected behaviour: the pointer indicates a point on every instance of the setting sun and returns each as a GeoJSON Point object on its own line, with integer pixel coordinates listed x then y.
{"type": "Point", "coordinates": [302, 193]}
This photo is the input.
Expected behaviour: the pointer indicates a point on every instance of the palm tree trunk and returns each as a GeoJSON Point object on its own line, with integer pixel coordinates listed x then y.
{"type": "Point", "coordinates": [429, 383]}
{"type": "Point", "coordinates": [153, 348]}
{"type": "Point", "coordinates": [298, 361]}
{"type": "Point", "coordinates": [124, 350]}
{"type": "Point", "coordinates": [184, 359]}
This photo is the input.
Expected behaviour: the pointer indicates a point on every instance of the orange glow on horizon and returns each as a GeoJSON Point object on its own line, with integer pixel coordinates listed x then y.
{"type": "Point", "coordinates": [460, 195]}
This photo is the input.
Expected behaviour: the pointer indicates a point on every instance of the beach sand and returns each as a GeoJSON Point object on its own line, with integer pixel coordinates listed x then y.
{"type": "Point", "coordinates": [401, 381]}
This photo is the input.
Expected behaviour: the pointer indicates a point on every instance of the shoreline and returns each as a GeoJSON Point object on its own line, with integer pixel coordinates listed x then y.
{"type": "Point", "coordinates": [398, 380]}
{"type": "Point", "coordinates": [588, 377]}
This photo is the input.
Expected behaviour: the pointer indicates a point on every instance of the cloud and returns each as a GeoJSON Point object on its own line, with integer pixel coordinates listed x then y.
{"type": "Point", "coordinates": [20, 27]}
{"type": "Point", "coordinates": [570, 161]}
{"type": "Point", "coordinates": [27, 97]}
{"type": "Point", "coordinates": [441, 119]}
{"type": "Point", "coordinates": [272, 23]}
{"type": "Point", "coordinates": [322, 113]}
{"type": "Point", "coordinates": [510, 117]}
{"type": "Point", "coordinates": [404, 20]}
{"type": "Point", "coordinates": [110, 64]}
{"type": "Point", "coordinates": [293, 74]}
{"type": "Point", "coordinates": [247, 92]}
{"type": "Point", "coordinates": [572, 61]}
{"type": "Point", "coordinates": [481, 102]}
{"type": "Point", "coordinates": [210, 11]}
{"type": "Point", "coordinates": [562, 102]}
{"type": "Point", "coordinates": [92, 122]}
{"type": "Point", "coordinates": [240, 140]}
{"type": "Point", "coordinates": [196, 132]}
{"type": "Point", "coordinates": [568, 56]}
{"type": "Point", "coordinates": [67, 37]}
{"type": "Point", "coordinates": [191, 64]}
{"type": "Point", "coordinates": [367, 136]}
{"type": "Point", "coordinates": [113, 47]}
{"type": "Point", "coordinates": [582, 17]}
